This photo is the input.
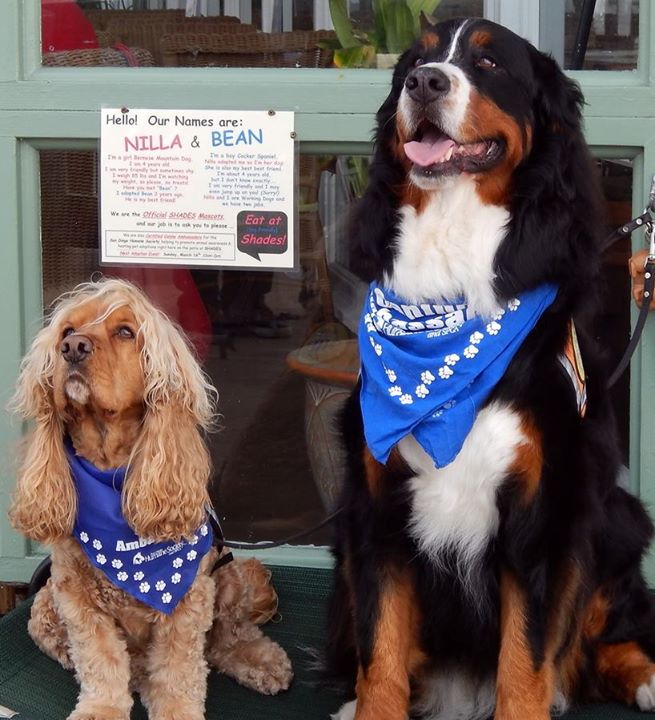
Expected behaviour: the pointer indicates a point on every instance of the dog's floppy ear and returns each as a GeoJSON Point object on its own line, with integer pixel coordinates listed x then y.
{"type": "Point", "coordinates": [44, 504]}
{"type": "Point", "coordinates": [558, 99]}
{"type": "Point", "coordinates": [165, 492]}
{"type": "Point", "coordinates": [556, 218]}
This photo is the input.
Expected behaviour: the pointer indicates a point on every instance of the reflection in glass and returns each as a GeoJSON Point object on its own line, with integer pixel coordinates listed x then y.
{"type": "Point", "coordinates": [299, 34]}
{"type": "Point", "coordinates": [271, 342]}
{"type": "Point", "coordinates": [601, 34]}
{"type": "Point", "coordinates": [280, 347]}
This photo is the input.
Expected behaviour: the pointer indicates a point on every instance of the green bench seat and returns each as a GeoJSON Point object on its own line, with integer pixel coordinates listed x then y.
{"type": "Point", "coordinates": [39, 689]}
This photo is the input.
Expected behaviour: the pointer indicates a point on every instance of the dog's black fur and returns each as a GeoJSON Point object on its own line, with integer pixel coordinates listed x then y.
{"type": "Point", "coordinates": [578, 522]}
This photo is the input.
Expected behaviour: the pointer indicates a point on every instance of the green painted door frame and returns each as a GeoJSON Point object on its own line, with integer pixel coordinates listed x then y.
{"type": "Point", "coordinates": [58, 108]}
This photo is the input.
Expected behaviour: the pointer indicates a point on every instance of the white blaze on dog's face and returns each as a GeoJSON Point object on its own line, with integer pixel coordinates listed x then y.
{"type": "Point", "coordinates": [98, 363]}
{"type": "Point", "coordinates": [465, 106]}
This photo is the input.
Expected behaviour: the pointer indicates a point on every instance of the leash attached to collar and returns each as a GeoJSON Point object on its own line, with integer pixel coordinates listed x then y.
{"type": "Point", "coordinates": [219, 539]}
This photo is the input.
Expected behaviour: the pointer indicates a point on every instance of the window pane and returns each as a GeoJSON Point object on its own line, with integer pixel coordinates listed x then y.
{"type": "Point", "coordinates": [227, 33]}
{"type": "Point", "coordinates": [272, 343]}
{"type": "Point", "coordinates": [604, 37]}
{"type": "Point", "coordinates": [280, 347]}
{"type": "Point", "coordinates": [613, 320]}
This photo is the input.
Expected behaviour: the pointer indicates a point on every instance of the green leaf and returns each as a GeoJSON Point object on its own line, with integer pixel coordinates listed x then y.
{"type": "Point", "coordinates": [379, 33]}
{"type": "Point", "coordinates": [355, 57]}
{"type": "Point", "coordinates": [417, 7]}
{"type": "Point", "coordinates": [398, 24]}
{"type": "Point", "coordinates": [342, 24]}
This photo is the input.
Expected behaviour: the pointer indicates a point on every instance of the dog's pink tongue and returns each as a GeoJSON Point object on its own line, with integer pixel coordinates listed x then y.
{"type": "Point", "coordinates": [429, 151]}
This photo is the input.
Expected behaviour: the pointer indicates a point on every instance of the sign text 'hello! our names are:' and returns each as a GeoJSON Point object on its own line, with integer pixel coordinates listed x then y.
{"type": "Point", "coordinates": [227, 132]}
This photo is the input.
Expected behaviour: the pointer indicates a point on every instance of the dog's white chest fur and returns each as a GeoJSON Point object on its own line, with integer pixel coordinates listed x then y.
{"type": "Point", "coordinates": [447, 251]}
{"type": "Point", "coordinates": [454, 507]}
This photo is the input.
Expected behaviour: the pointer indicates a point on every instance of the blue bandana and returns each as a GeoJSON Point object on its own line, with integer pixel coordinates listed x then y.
{"type": "Point", "coordinates": [427, 369]}
{"type": "Point", "coordinates": [156, 573]}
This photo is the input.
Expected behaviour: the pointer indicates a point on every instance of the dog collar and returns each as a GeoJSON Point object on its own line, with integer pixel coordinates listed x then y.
{"type": "Point", "coordinates": [427, 369]}
{"type": "Point", "coordinates": [158, 574]}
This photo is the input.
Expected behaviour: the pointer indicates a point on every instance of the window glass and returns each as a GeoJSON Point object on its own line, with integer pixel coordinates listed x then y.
{"type": "Point", "coordinates": [280, 347]}
{"type": "Point", "coordinates": [613, 318]}
{"type": "Point", "coordinates": [227, 33]}
{"type": "Point", "coordinates": [272, 342]}
{"type": "Point", "coordinates": [602, 35]}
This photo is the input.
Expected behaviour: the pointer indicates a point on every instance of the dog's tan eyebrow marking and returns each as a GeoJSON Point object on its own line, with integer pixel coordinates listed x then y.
{"type": "Point", "coordinates": [429, 41]}
{"type": "Point", "coordinates": [481, 38]}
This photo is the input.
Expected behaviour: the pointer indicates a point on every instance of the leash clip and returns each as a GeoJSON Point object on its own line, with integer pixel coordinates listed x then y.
{"type": "Point", "coordinates": [650, 238]}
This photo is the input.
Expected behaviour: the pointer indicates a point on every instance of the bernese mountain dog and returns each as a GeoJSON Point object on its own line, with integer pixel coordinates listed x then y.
{"type": "Point", "coordinates": [487, 559]}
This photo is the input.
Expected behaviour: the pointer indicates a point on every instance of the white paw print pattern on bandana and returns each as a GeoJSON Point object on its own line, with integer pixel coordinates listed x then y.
{"type": "Point", "coordinates": [445, 372]}
{"type": "Point", "coordinates": [513, 305]}
{"type": "Point", "coordinates": [377, 348]}
{"type": "Point", "coordinates": [166, 598]}
{"type": "Point", "coordinates": [97, 545]}
{"type": "Point", "coordinates": [191, 555]}
{"type": "Point", "coordinates": [175, 578]}
{"type": "Point", "coordinates": [493, 328]}
{"type": "Point", "coordinates": [84, 537]}
{"type": "Point", "coordinates": [395, 391]}
{"type": "Point", "coordinates": [144, 587]}
{"type": "Point", "coordinates": [422, 391]}
{"type": "Point", "coordinates": [499, 315]}
{"type": "Point", "coordinates": [177, 562]}
{"type": "Point", "coordinates": [203, 531]}
{"type": "Point", "coordinates": [470, 352]}
{"type": "Point", "coordinates": [138, 576]}
{"type": "Point", "coordinates": [118, 564]}
{"type": "Point", "coordinates": [391, 375]}
{"type": "Point", "coordinates": [160, 585]}
{"type": "Point", "coordinates": [406, 399]}
{"type": "Point", "coordinates": [122, 576]}
{"type": "Point", "coordinates": [101, 559]}
{"type": "Point", "coordinates": [194, 540]}
{"type": "Point", "coordinates": [427, 378]}
{"type": "Point", "coordinates": [476, 338]}
{"type": "Point", "coordinates": [452, 359]}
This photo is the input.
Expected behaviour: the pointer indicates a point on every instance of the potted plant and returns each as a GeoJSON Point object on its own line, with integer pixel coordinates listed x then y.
{"type": "Point", "coordinates": [397, 25]}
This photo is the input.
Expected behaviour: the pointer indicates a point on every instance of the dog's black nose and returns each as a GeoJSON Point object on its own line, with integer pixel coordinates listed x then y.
{"type": "Point", "coordinates": [76, 348]}
{"type": "Point", "coordinates": [426, 84]}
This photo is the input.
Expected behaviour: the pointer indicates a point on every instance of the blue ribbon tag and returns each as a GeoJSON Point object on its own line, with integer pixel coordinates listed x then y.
{"type": "Point", "coordinates": [428, 368]}
{"type": "Point", "coordinates": [158, 574]}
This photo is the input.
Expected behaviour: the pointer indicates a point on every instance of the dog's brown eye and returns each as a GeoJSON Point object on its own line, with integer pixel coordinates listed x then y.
{"type": "Point", "coordinates": [486, 63]}
{"type": "Point", "coordinates": [418, 61]}
{"type": "Point", "coordinates": [68, 331]}
{"type": "Point", "coordinates": [124, 332]}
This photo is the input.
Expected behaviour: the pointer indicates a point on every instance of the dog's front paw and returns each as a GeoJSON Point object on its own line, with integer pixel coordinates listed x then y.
{"type": "Point", "coordinates": [261, 665]}
{"type": "Point", "coordinates": [98, 711]}
{"type": "Point", "coordinates": [645, 696]}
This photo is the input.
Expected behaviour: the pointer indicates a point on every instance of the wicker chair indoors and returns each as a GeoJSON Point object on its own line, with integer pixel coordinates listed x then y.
{"type": "Point", "coordinates": [298, 48]}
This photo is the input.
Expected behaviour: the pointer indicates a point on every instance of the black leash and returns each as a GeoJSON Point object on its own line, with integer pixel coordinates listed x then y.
{"type": "Point", "coordinates": [220, 542]}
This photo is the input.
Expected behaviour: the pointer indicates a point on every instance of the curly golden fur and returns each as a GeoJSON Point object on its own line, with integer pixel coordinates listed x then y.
{"type": "Point", "coordinates": [114, 374]}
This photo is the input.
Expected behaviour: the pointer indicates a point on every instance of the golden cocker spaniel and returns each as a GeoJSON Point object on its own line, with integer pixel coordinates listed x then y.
{"type": "Point", "coordinates": [119, 405]}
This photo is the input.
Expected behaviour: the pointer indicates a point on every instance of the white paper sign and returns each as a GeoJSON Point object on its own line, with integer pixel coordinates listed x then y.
{"type": "Point", "coordinates": [197, 188]}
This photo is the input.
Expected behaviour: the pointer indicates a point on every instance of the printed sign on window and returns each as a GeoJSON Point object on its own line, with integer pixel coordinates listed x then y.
{"type": "Point", "coordinates": [198, 188]}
